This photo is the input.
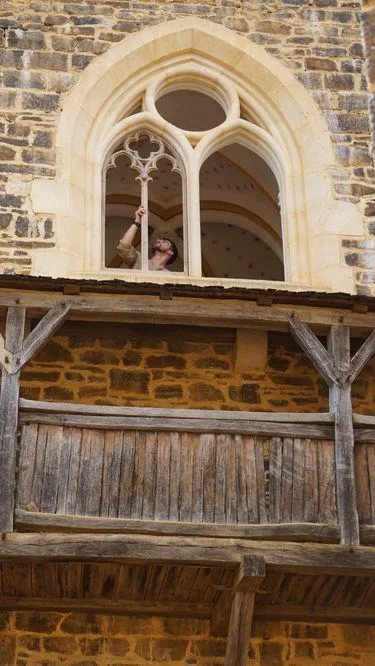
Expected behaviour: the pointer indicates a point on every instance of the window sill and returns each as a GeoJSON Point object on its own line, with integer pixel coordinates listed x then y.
{"type": "Point", "coordinates": [154, 277]}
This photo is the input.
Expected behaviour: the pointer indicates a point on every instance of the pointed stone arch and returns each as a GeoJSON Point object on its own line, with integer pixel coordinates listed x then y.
{"type": "Point", "coordinates": [93, 115]}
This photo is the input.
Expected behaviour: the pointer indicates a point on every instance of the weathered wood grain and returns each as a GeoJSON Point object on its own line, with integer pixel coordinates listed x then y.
{"type": "Point", "coordinates": [365, 513]}
{"type": "Point", "coordinates": [112, 607]}
{"type": "Point", "coordinates": [301, 558]}
{"type": "Point", "coordinates": [174, 424]}
{"type": "Point", "coordinates": [43, 331]}
{"type": "Point", "coordinates": [327, 511]}
{"type": "Point", "coordinates": [150, 412]}
{"type": "Point", "coordinates": [314, 350]}
{"type": "Point", "coordinates": [239, 633]}
{"type": "Point", "coordinates": [30, 521]}
{"type": "Point", "coordinates": [341, 405]}
{"type": "Point", "coordinates": [363, 355]}
{"type": "Point", "coordinates": [208, 311]}
{"type": "Point", "coordinates": [15, 324]}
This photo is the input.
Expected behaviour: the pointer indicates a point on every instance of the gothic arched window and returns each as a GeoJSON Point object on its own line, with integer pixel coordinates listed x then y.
{"type": "Point", "coordinates": [197, 162]}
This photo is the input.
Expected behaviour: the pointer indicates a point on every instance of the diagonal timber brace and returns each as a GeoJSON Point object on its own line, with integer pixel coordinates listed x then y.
{"type": "Point", "coordinates": [13, 361]}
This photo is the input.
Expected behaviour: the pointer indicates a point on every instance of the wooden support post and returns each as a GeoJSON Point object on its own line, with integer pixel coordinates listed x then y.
{"type": "Point", "coordinates": [341, 405]}
{"type": "Point", "coordinates": [8, 418]}
{"type": "Point", "coordinates": [250, 575]}
{"type": "Point", "coordinates": [339, 371]}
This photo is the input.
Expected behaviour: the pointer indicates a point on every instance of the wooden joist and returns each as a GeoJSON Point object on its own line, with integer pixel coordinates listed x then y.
{"type": "Point", "coordinates": [301, 558]}
{"type": "Point", "coordinates": [300, 613]}
{"type": "Point", "coordinates": [178, 609]}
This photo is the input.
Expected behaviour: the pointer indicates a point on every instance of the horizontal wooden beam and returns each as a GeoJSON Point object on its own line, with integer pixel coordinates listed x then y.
{"type": "Point", "coordinates": [152, 412]}
{"type": "Point", "coordinates": [50, 522]}
{"type": "Point", "coordinates": [340, 614]}
{"type": "Point", "coordinates": [176, 425]}
{"type": "Point", "coordinates": [337, 614]}
{"type": "Point", "coordinates": [178, 609]}
{"type": "Point", "coordinates": [367, 534]}
{"type": "Point", "coordinates": [306, 558]}
{"type": "Point", "coordinates": [204, 311]}
{"type": "Point", "coordinates": [364, 435]}
{"type": "Point", "coordinates": [363, 420]}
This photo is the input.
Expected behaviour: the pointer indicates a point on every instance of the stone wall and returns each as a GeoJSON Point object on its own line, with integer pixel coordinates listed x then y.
{"type": "Point", "coordinates": [45, 45]}
{"type": "Point", "coordinates": [50, 639]}
{"type": "Point", "coordinates": [163, 366]}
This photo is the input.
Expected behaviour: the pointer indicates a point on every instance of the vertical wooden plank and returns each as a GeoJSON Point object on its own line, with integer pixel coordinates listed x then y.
{"type": "Point", "coordinates": [29, 438]}
{"type": "Point", "coordinates": [298, 480]}
{"type": "Point", "coordinates": [83, 480]}
{"type": "Point", "coordinates": [10, 386]}
{"type": "Point", "coordinates": [276, 454]}
{"type": "Point", "coordinates": [64, 471]}
{"type": "Point", "coordinates": [242, 488]}
{"type": "Point", "coordinates": [51, 470]}
{"type": "Point", "coordinates": [111, 473]}
{"type": "Point", "coordinates": [341, 405]}
{"type": "Point", "coordinates": [175, 476]}
{"type": "Point", "coordinates": [371, 473]}
{"type": "Point", "coordinates": [231, 489]}
{"type": "Point", "coordinates": [95, 473]}
{"type": "Point", "coordinates": [126, 474]}
{"type": "Point", "coordinates": [185, 500]}
{"type": "Point", "coordinates": [287, 481]}
{"type": "Point", "coordinates": [220, 475]}
{"type": "Point", "coordinates": [163, 478]}
{"type": "Point", "coordinates": [208, 464]}
{"type": "Point", "coordinates": [37, 482]}
{"type": "Point", "coordinates": [311, 488]}
{"type": "Point", "coordinates": [75, 436]}
{"type": "Point", "coordinates": [259, 446]}
{"type": "Point", "coordinates": [138, 476]}
{"type": "Point", "coordinates": [197, 480]}
{"type": "Point", "coordinates": [327, 483]}
{"type": "Point", "coordinates": [251, 480]}
{"type": "Point", "coordinates": [149, 483]}
{"type": "Point", "coordinates": [363, 484]}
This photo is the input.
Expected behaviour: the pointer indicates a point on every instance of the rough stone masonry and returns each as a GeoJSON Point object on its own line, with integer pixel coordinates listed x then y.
{"type": "Point", "coordinates": [46, 45]}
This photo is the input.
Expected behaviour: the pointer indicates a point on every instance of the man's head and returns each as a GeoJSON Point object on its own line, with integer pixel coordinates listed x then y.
{"type": "Point", "coordinates": [165, 246]}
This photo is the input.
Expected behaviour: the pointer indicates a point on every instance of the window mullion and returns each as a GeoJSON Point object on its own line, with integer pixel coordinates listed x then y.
{"type": "Point", "coordinates": [193, 219]}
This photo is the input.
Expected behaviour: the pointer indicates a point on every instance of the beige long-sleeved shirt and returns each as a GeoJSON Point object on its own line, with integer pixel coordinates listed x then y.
{"type": "Point", "coordinates": [132, 258]}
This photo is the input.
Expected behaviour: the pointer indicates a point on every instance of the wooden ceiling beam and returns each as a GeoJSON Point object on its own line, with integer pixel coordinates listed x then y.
{"type": "Point", "coordinates": [176, 609]}
{"type": "Point", "coordinates": [298, 558]}
{"type": "Point", "coordinates": [179, 310]}
{"type": "Point", "coordinates": [299, 613]}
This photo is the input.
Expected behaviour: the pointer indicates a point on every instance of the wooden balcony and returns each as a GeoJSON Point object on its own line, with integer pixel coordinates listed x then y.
{"type": "Point", "coordinates": [191, 513]}
{"type": "Point", "coordinates": [187, 472]}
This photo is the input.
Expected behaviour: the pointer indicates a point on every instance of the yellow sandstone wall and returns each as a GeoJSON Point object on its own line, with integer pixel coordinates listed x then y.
{"type": "Point", "coordinates": [161, 366]}
{"type": "Point", "coordinates": [45, 46]}
{"type": "Point", "coordinates": [49, 639]}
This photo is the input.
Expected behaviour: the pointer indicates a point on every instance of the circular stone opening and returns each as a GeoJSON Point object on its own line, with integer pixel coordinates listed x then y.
{"type": "Point", "coordinates": [190, 110]}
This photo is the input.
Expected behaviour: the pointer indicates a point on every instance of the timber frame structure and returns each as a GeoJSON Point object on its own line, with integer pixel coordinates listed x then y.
{"type": "Point", "coordinates": [308, 526]}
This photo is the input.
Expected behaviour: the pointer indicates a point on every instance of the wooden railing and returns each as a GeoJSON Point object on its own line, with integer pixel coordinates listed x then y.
{"type": "Point", "coordinates": [255, 475]}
